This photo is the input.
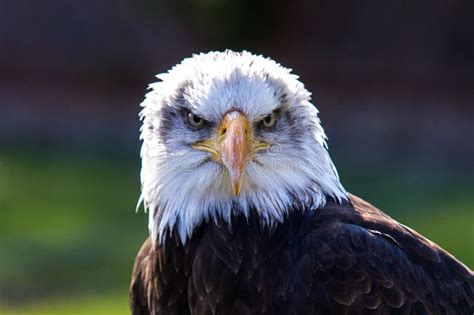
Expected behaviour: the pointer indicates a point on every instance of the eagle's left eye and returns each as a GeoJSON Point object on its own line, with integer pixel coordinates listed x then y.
{"type": "Point", "coordinates": [269, 120]}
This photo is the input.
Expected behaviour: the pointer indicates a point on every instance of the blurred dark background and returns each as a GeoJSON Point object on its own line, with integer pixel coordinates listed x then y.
{"type": "Point", "coordinates": [394, 81]}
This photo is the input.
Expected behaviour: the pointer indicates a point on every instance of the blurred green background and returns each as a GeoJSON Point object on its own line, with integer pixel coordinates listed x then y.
{"type": "Point", "coordinates": [393, 83]}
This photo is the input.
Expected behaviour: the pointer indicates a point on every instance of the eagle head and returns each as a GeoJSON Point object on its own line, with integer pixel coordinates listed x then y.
{"type": "Point", "coordinates": [228, 133]}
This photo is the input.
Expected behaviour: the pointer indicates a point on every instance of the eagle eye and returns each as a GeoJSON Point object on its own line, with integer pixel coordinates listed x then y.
{"type": "Point", "coordinates": [269, 120]}
{"type": "Point", "coordinates": [194, 120]}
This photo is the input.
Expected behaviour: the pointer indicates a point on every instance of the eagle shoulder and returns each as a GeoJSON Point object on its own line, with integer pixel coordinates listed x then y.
{"type": "Point", "coordinates": [363, 259]}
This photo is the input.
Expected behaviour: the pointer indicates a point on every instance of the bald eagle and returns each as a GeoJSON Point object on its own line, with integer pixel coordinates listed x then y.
{"type": "Point", "coordinates": [247, 214]}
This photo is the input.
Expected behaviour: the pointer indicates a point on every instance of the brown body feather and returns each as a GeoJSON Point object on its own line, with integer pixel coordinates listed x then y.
{"type": "Point", "coordinates": [340, 259]}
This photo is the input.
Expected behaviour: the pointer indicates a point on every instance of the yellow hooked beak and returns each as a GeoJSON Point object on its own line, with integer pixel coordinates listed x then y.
{"type": "Point", "coordinates": [233, 146]}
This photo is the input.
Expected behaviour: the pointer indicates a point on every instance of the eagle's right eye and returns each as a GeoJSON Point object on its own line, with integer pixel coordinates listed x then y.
{"type": "Point", "coordinates": [194, 120]}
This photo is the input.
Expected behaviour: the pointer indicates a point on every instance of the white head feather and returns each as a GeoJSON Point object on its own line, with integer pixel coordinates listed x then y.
{"type": "Point", "coordinates": [182, 188]}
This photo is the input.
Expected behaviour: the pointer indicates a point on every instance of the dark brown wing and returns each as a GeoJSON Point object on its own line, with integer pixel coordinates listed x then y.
{"type": "Point", "coordinates": [159, 281]}
{"type": "Point", "coordinates": [364, 261]}
{"type": "Point", "coordinates": [140, 287]}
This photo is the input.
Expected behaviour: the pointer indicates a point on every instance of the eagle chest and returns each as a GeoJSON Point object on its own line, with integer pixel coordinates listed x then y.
{"type": "Point", "coordinates": [223, 271]}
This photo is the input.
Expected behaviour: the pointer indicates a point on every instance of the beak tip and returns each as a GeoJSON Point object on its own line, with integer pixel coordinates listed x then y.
{"type": "Point", "coordinates": [236, 189]}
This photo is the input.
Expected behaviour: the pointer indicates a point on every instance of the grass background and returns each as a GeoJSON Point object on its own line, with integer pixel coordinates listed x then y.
{"type": "Point", "coordinates": [69, 233]}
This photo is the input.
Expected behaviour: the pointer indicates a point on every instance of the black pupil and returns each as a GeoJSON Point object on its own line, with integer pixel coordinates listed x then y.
{"type": "Point", "coordinates": [195, 118]}
{"type": "Point", "coordinates": [268, 119]}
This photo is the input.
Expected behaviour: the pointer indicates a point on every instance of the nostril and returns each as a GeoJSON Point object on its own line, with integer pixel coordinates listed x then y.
{"type": "Point", "coordinates": [224, 130]}
{"type": "Point", "coordinates": [246, 131]}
